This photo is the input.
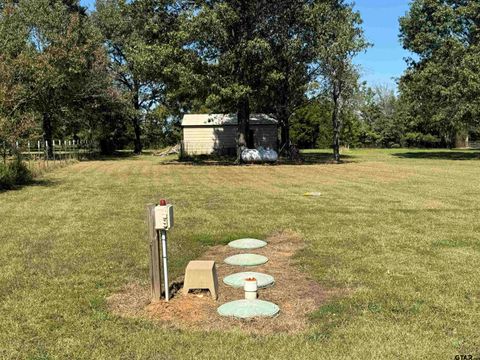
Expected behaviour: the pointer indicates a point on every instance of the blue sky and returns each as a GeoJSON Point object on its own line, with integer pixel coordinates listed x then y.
{"type": "Point", "coordinates": [384, 62]}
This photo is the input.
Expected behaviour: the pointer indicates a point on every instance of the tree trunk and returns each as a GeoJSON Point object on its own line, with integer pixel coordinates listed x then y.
{"type": "Point", "coordinates": [461, 139]}
{"type": "Point", "coordinates": [47, 128]}
{"type": "Point", "coordinates": [283, 119]}
{"type": "Point", "coordinates": [243, 116]}
{"type": "Point", "coordinates": [336, 124]}
{"type": "Point", "coordinates": [138, 146]}
{"type": "Point", "coordinates": [283, 110]}
{"type": "Point", "coordinates": [285, 136]}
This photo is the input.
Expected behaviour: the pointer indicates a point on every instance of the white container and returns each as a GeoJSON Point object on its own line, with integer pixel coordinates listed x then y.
{"type": "Point", "coordinates": [250, 288]}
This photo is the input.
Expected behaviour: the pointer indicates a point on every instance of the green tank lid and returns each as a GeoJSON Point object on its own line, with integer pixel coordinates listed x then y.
{"type": "Point", "coordinates": [247, 243]}
{"type": "Point", "coordinates": [237, 280]}
{"type": "Point", "coordinates": [245, 309]}
{"type": "Point", "coordinates": [246, 260]}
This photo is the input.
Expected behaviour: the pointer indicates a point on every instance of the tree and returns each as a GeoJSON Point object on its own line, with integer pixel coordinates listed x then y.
{"type": "Point", "coordinates": [338, 39]}
{"type": "Point", "coordinates": [230, 37]}
{"type": "Point", "coordinates": [161, 128]}
{"type": "Point", "coordinates": [311, 124]}
{"type": "Point", "coordinates": [441, 87]}
{"type": "Point", "coordinates": [289, 74]}
{"type": "Point", "coordinates": [16, 117]}
{"type": "Point", "coordinates": [144, 52]}
{"type": "Point", "coordinates": [380, 116]}
{"type": "Point", "coordinates": [59, 66]}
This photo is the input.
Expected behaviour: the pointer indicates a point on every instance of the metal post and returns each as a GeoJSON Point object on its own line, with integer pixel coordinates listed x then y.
{"type": "Point", "coordinates": [155, 272]}
{"type": "Point", "coordinates": [165, 263]}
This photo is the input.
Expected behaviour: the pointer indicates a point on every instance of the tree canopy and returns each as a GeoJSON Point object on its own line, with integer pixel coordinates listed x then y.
{"type": "Point", "coordinates": [441, 88]}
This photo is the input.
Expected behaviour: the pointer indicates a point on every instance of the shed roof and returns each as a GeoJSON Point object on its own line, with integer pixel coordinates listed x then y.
{"type": "Point", "coordinates": [224, 119]}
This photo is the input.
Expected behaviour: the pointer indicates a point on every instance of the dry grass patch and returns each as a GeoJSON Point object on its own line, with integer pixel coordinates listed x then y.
{"type": "Point", "coordinates": [295, 293]}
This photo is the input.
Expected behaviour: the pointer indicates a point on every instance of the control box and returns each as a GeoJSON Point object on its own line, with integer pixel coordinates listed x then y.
{"type": "Point", "coordinates": [163, 217]}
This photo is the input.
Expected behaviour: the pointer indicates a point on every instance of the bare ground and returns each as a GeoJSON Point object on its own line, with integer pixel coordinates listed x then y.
{"type": "Point", "coordinates": [293, 292]}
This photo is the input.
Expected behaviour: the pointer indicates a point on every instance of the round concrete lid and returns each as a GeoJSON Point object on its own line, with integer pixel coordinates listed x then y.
{"type": "Point", "coordinates": [246, 260]}
{"type": "Point", "coordinates": [245, 309]}
{"type": "Point", "coordinates": [237, 280]}
{"type": "Point", "coordinates": [247, 243]}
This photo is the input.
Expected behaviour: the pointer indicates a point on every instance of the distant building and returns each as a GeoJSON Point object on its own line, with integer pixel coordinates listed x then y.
{"type": "Point", "coordinates": [217, 133]}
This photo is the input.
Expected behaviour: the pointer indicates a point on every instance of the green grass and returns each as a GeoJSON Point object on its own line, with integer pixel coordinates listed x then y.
{"type": "Point", "coordinates": [397, 230]}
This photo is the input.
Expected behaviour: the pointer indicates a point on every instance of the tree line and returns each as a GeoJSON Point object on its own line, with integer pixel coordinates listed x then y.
{"type": "Point", "coordinates": [437, 103]}
{"type": "Point", "coordinates": [124, 73]}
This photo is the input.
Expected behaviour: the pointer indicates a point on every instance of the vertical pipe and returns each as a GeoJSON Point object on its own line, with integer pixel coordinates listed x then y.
{"type": "Point", "coordinates": [165, 263]}
{"type": "Point", "coordinates": [153, 239]}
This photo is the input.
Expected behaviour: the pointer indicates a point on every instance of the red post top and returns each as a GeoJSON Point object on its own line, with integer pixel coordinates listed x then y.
{"type": "Point", "coordinates": [163, 202]}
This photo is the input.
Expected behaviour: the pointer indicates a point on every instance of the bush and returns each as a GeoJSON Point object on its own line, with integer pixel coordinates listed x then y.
{"type": "Point", "coordinates": [6, 179]}
{"type": "Point", "coordinates": [430, 140]}
{"type": "Point", "coordinates": [416, 139]}
{"type": "Point", "coordinates": [14, 173]}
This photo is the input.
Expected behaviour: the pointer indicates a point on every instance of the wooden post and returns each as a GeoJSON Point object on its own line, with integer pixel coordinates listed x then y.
{"type": "Point", "coordinates": [29, 156]}
{"type": "Point", "coordinates": [46, 152]}
{"type": "Point", "coordinates": [155, 256]}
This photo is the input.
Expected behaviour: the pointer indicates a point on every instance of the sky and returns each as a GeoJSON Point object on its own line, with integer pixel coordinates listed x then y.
{"type": "Point", "coordinates": [384, 62]}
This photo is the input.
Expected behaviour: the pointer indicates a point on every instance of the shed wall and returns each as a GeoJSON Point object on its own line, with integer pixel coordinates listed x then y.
{"type": "Point", "coordinates": [199, 140]}
{"type": "Point", "coordinates": [207, 140]}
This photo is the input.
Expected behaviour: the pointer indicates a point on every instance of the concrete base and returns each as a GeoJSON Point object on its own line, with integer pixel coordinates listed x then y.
{"type": "Point", "coordinates": [201, 275]}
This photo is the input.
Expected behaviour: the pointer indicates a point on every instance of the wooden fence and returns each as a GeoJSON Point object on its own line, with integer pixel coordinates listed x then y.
{"type": "Point", "coordinates": [43, 154]}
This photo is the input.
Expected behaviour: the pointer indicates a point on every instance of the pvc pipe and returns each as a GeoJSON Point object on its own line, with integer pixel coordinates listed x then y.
{"type": "Point", "coordinates": [165, 263]}
{"type": "Point", "coordinates": [250, 288]}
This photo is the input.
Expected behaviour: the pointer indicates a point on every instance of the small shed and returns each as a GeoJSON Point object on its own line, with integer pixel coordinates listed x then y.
{"type": "Point", "coordinates": [217, 133]}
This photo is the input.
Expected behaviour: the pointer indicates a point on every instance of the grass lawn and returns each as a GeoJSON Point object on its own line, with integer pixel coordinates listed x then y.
{"type": "Point", "coordinates": [398, 229]}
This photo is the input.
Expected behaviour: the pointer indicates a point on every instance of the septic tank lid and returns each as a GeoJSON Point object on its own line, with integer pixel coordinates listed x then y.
{"type": "Point", "coordinates": [246, 260]}
{"type": "Point", "coordinates": [247, 243]}
{"type": "Point", "coordinates": [245, 309]}
{"type": "Point", "coordinates": [237, 280]}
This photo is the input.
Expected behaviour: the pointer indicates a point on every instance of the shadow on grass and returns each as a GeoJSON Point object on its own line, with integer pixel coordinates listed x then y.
{"type": "Point", "coordinates": [441, 155]}
{"type": "Point", "coordinates": [35, 182]}
{"type": "Point", "coordinates": [127, 154]}
{"type": "Point", "coordinates": [214, 160]}
{"type": "Point", "coordinates": [203, 160]}
{"type": "Point", "coordinates": [120, 155]}
{"type": "Point", "coordinates": [323, 158]}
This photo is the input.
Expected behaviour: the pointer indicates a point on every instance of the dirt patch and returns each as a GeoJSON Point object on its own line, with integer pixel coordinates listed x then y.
{"type": "Point", "coordinates": [293, 292]}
